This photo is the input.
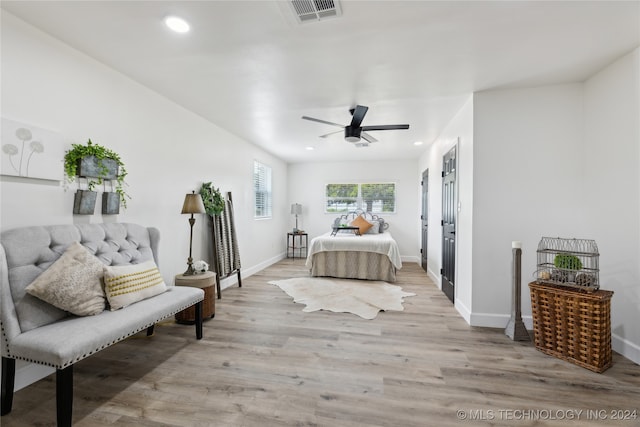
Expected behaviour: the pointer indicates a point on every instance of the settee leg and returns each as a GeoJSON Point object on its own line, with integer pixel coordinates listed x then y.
{"type": "Point", "coordinates": [150, 330]}
{"type": "Point", "coordinates": [198, 320]}
{"type": "Point", "coordinates": [64, 395]}
{"type": "Point", "coordinates": [8, 381]}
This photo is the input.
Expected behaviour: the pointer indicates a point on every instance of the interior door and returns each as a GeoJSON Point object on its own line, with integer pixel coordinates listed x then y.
{"type": "Point", "coordinates": [449, 201]}
{"type": "Point", "coordinates": [425, 217]}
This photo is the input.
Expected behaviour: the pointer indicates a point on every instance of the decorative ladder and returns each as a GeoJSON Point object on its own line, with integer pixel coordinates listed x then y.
{"type": "Point", "coordinates": [225, 253]}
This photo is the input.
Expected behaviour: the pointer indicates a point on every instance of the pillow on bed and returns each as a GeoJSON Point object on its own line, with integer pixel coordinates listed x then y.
{"type": "Point", "coordinates": [362, 224]}
{"type": "Point", "coordinates": [375, 227]}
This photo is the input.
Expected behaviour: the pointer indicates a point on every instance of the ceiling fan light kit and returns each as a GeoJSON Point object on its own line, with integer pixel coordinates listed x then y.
{"type": "Point", "coordinates": [353, 132]}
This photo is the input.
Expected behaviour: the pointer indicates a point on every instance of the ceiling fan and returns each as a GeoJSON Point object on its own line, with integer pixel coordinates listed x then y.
{"type": "Point", "coordinates": [353, 131]}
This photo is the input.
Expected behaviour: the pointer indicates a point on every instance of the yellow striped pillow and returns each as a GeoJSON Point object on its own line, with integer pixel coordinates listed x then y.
{"type": "Point", "coordinates": [126, 284]}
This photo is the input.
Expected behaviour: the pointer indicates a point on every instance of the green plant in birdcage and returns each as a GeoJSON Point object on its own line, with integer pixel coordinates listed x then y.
{"type": "Point", "coordinates": [212, 199]}
{"type": "Point", "coordinates": [567, 262]}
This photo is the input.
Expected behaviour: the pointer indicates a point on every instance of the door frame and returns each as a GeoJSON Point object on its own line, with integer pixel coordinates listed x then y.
{"type": "Point", "coordinates": [424, 208]}
{"type": "Point", "coordinates": [456, 210]}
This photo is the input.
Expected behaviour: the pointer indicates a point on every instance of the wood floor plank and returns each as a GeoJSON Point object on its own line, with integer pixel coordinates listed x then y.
{"type": "Point", "coordinates": [264, 362]}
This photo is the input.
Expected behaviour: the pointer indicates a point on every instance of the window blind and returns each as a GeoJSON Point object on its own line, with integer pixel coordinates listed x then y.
{"type": "Point", "coordinates": [262, 190]}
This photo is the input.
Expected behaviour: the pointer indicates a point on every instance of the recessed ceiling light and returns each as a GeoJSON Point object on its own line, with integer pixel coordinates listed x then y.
{"type": "Point", "coordinates": [176, 24]}
{"type": "Point", "coordinates": [310, 148]}
{"type": "Point", "coordinates": [417, 143]}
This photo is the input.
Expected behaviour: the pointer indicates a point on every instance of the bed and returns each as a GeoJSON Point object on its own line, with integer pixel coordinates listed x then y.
{"type": "Point", "coordinates": [344, 253]}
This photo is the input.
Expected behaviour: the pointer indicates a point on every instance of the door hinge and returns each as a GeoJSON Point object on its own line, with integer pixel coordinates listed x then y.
{"type": "Point", "coordinates": [442, 222]}
{"type": "Point", "coordinates": [420, 250]}
{"type": "Point", "coordinates": [443, 174]}
{"type": "Point", "coordinates": [442, 271]}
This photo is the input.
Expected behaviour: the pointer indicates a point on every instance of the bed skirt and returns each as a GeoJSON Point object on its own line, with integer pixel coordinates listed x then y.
{"type": "Point", "coordinates": [353, 265]}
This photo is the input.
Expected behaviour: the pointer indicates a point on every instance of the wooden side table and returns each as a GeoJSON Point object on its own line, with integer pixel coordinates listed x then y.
{"type": "Point", "coordinates": [205, 281]}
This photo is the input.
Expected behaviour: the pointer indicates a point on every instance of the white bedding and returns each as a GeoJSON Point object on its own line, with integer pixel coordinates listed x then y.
{"type": "Point", "coordinates": [381, 243]}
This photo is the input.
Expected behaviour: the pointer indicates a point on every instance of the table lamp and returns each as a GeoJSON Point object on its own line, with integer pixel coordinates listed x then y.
{"type": "Point", "coordinates": [192, 205]}
{"type": "Point", "coordinates": [296, 209]}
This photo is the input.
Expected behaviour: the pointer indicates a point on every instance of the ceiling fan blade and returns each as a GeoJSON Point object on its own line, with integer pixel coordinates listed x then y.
{"type": "Point", "coordinates": [385, 127]}
{"type": "Point", "coordinates": [358, 115]}
{"type": "Point", "coordinates": [330, 133]}
{"type": "Point", "coordinates": [322, 121]}
{"type": "Point", "coordinates": [368, 137]}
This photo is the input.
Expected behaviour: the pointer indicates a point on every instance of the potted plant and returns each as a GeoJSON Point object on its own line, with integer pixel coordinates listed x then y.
{"type": "Point", "coordinates": [567, 266]}
{"type": "Point", "coordinates": [212, 199]}
{"type": "Point", "coordinates": [97, 164]}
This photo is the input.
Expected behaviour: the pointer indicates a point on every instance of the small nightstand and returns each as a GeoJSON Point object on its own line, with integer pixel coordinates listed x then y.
{"type": "Point", "coordinates": [205, 281]}
{"type": "Point", "coordinates": [302, 244]}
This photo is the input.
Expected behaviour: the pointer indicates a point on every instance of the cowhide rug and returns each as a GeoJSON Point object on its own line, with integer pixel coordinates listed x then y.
{"type": "Point", "coordinates": [364, 298]}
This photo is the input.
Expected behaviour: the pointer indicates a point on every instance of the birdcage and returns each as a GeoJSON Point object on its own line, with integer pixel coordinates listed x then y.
{"type": "Point", "coordinates": [568, 262]}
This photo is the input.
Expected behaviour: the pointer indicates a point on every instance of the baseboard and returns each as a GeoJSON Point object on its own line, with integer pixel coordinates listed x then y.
{"type": "Point", "coordinates": [418, 260]}
{"type": "Point", "coordinates": [435, 277]}
{"type": "Point", "coordinates": [464, 311]}
{"type": "Point", "coordinates": [247, 272]}
{"type": "Point", "coordinates": [626, 348]}
{"type": "Point", "coordinates": [620, 345]}
{"type": "Point", "coordinates": [30, 373]}
{"type": "Point", "coordinates": [490, 320]}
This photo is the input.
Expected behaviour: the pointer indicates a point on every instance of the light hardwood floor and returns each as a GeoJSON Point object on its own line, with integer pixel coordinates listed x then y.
{"type": "Point", "coordinates": [263, 362]}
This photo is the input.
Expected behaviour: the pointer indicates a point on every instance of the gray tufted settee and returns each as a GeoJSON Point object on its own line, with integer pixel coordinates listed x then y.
{"type": "Point", "coordinates": [37, 332]}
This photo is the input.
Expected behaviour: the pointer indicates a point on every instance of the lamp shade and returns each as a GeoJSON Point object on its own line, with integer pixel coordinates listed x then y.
{"type": "Point", "coordinates": [193, 204]}
{"type": "Point", "coordinates": [296, 209]}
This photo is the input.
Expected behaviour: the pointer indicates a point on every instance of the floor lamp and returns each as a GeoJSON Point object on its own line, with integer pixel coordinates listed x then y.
{"type": "Point", "coordinates": [192, 205]}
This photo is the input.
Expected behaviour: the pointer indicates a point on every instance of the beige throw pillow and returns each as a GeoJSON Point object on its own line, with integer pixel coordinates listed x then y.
{"type": "Point", "coordinates": [362, 224]}
{"type": "Point", "coordinates": [72, 283]}
{"type": "Point", "coordinates": [126, 284]}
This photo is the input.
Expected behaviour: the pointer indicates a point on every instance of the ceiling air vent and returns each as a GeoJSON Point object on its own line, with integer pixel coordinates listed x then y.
{"type": "Point", "coordinates": [315, 10]}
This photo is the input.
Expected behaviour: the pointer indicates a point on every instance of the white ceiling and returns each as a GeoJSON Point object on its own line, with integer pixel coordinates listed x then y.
{"type": "Point", "coordinates": [251, 69]}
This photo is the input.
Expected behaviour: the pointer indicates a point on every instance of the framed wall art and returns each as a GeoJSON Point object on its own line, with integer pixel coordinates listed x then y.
{"type": "Point", "coordinates": [30, 152]}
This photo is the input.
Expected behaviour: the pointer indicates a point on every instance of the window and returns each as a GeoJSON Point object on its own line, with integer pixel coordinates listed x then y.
{"type": "Point", "coordinates": [378, 198]}
{"type": "Point", "coordinates": [262, 190]}
{"type": "Point", "coordinates": [341, 197]}
{"type": "Point", "coordinates": [375, 198]}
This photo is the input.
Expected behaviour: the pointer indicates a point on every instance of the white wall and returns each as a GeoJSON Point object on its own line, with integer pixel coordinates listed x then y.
{"type": "Point", "coordinates": [459, 131]}
{"type": "Point", "coordinates": [612, 188]}
{"type": "Point", "coordinates": [527, 183]}
{"type": "Point", "coordinates": [168, 151]}
{"type": "Point", "coordinates": [307, 183]}
{"type": "Point", "coordinates": [553, 161]}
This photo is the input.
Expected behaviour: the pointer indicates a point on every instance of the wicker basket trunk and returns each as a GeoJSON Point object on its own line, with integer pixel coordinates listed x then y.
{"type": "Point", "coordinates": [573, 325]}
